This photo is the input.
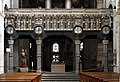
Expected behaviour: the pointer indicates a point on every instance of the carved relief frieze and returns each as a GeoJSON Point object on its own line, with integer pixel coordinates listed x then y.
{"type": "Point", "coordinates": [61, 22]}
{"type": "Point", "coordinates": [54, 21]}
{"type": "Point", "coordinates": [29, 21]}
{"type": "Point", "coordinates": [91, 21]}
{"type": "Point", "coordinates": [68, 21]}
{"type": "Point", "coordinates": [105, 20]}
{"type": "Point", "coordinates": [38, 20]}
{"type": "Point", "coordinates": [98, 22]}
{"type": "Point", "coordinates": [47, 22]}
{"type": "Point", "coordinates": [23, 22]}
{"type": "Point", "coordinates": [86, 22]}
{"type": "Point", "coordinates": [57, 21]}
{"type": "Point", "coordinates": [78, 20]}
{"type": "Point", "coordinates": [10, 19]}
{"type": "Point", "coordinates": [18, 25]}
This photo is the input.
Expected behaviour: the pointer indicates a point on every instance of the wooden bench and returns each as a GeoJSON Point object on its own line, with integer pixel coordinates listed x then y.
{"type": "Point", "coordinates": [21, 77]}
{"type": "Point", "coordinates": [99, 77]}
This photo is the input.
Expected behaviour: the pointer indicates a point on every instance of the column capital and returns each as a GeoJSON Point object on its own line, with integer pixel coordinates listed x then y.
{"type": "Point", "coordinates": [38, 42]}
{"type": "Point", "coordinates": [11, 42]}
{"type": "Point", "coordinates": [105, 41]}
{"type": "Point", "coordinates": [77, 41]}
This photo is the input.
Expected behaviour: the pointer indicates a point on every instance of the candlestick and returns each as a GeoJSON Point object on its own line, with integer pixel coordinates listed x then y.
{"type": "Point", "coordinates": [32, 64]}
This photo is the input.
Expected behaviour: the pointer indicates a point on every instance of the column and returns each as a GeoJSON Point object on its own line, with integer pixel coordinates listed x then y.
{"type": "Point", "coordinates": [48, 4]}
{"type": "Point", "coordinates": [68, 4]}
{"type": "Point", "coordinates": [77, 55]}
{"type": "Point", "coordinates": [105, 55]}
{"type": "Point", "coordinates": [11, 3]}
{"type": "Point", "coordinates": [38, 42]}
{"type": "Point", "coordinates": [104, 3]}
{"type": "Point", "coordinates": [11, 42]}
{"type": "Point", "coordinates": [16, 4]}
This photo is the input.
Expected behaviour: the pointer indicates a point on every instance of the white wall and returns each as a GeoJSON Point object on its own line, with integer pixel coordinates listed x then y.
{"type": "Point", "coordinates": [1, 36]}
{"type": "Point", "coordinates": [116, 37]}
{"type": "Point", "coordinates": [1, 44]}
{"type": "Point", "coordinates": [117, 1]}
{"type": "Point", "coordinates": [7, 2]}
{"type": "Point", "coordinates": [12, 3]}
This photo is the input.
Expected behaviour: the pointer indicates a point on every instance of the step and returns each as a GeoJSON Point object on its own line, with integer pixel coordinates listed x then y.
{"type": "Point", "coordinates": [60, 77]}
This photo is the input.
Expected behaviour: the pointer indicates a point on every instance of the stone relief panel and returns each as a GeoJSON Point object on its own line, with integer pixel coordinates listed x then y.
{"type": "Point", "coordinates": [58, 21]}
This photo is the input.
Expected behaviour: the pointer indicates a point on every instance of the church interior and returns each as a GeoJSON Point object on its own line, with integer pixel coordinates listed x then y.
{"type": "Point", "coordinates": [59, 41]}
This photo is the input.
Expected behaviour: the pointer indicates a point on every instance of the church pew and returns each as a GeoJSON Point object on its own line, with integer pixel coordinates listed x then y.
{"type": "Point", "coordinates": [1, 80]}
{"type": "Point", "coordinates": [37, 74]}
{"type": "Point", "coordinates": [24, 77]}
{"type": "Point", "coordinates": [99, 77]}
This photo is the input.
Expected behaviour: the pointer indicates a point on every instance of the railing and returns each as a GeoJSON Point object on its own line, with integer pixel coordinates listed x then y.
{"type": "Point", "coordinates": [58, 19]}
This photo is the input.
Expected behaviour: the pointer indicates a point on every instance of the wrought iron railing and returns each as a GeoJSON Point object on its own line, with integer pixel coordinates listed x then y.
{"type": "Point", "coordinates": [58, 19]}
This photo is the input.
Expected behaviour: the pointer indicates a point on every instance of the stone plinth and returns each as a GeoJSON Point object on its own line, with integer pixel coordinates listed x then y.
{"type": "Point", "coordinates": [58, 67]}
{"type": "Point", "coordinates": [23, 69]}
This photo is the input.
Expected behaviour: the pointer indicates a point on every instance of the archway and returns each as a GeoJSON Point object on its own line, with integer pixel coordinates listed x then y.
{"type": "Point", "coordinates": [65, 52]}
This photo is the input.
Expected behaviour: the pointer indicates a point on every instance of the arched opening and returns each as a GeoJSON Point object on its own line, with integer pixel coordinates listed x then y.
{"type": "Point", "coordinates": [58, 3]}
{"type": "Point", "coordinates": [57, 49]}
{"type": "Point", "coordinates": [110, 6]}
{"type": "Point", "coordinates": [31, 3]}
{"type": "Point", "coordinates": [84, 3]}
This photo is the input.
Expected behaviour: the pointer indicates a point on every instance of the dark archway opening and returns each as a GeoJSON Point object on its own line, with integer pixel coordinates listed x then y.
{"type": "Point", "coordinates": [66, 52]}
{"type": "Point", "coordinates": [29, 44]}
{"type": "Point", "coordinates": [110, 6]}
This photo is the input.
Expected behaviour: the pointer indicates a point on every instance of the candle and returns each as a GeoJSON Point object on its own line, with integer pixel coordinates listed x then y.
{"type": "Point", "coordinates": [32, 64]}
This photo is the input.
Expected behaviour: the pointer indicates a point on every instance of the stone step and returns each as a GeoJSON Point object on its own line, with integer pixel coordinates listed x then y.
{"type": "Point", "coordinates": [60, 77]}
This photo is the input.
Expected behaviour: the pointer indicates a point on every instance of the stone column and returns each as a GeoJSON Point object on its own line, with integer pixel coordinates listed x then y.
{"type": "Point", "coordinates": [11, 42]}
{"type": "Point", "coordinates": [48, 4]}
{"type": "Point", "coordinates": [77, 55]}
{"type": "Point", "coordinates": [68, 4]}
{"type": "Point", "coordinates": [105, 55]}
{"type": "Point", "coordinates": [104, 3]}
{"type": "Point", "coordinates": [16, 4]}
{"type": "Point", "coordinates": [38, 42]}
{"type": "Point", "coordinates": [11, 3]}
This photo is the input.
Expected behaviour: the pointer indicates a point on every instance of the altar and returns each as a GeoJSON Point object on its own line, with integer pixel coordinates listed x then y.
{"type": "Point", "coordinates": [58, 67]}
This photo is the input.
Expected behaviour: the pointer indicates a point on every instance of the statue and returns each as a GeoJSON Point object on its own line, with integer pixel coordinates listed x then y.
{"type": "Point", "coordinates": [24, 59]}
